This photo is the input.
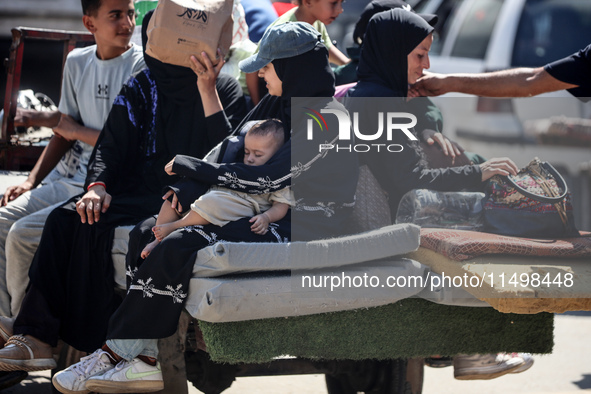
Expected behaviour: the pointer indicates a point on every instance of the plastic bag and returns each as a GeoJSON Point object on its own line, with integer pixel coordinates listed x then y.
{"type": "Point", "coordinates": [429, 208]}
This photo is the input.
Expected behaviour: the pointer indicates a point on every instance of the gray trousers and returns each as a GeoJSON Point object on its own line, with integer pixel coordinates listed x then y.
{"type": "Point", "coordinates": [21, 225]}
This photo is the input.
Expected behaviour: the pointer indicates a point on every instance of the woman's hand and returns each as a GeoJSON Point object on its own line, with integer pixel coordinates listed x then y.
{"type": "Point", "coordinates": [207, 75]}
{"type": "Point", "coordinates": [168, 167]}
{"type": "Point", "coordinates": [92, 204]}
{"type": "Point", "coordinates": [449, 147]}
{"type": "Point", "coordinates": [498, 166]}
{"type": "Point", "coordinates": [174, 203]}
{"type": "Point", "coordinates": [206, 72]}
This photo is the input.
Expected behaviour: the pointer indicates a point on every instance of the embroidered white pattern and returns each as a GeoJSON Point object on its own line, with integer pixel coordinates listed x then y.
{"type": "Point", "coordinates": [131, 273]}
{"type": "Point", "coordinates": [148, 289]}
{"type": "Point", "coordinates": [212, 238]}
{"type": "Point", "coordinates": [273, 228]}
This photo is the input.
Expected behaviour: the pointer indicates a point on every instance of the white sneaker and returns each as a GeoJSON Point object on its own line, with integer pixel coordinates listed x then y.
{"type": "Point", "coordinates": [485, 366]}
{"type": "Point", "coordinates": [529, 361]}
{"type": "Point", "coordinates": [128, 377]}
{"type": "Point", "coordinates": [73, 379]}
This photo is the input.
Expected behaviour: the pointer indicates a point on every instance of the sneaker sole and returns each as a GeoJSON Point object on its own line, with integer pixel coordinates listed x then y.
{"type": "Point", "coordinates": [528, 364]}
{"type": "Point", "coordinates": [64, 390]}
{"type": "Point", "coordinates": [486, 376]}
{"type": "Point", "coordinates": [32, 365]}
{"type": "Point", "coordinates": [108, 386]}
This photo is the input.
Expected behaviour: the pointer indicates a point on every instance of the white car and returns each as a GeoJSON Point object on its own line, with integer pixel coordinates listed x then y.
{"type": "Point", "coordinates": [484, 35]}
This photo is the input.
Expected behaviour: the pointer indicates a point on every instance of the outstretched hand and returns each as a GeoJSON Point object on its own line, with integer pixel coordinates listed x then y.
{"type": "Point", "coordinates": [92, 204]}
{"type": "Point", "coordinates": [430, 84]}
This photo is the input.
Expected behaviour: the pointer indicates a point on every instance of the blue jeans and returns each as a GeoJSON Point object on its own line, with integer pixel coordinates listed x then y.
{"type": "Point", "coordinates": [131, 348]}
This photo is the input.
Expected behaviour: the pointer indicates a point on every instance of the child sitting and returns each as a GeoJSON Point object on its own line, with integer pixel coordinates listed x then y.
{"type": "Point", "coordinates": [222, 205]}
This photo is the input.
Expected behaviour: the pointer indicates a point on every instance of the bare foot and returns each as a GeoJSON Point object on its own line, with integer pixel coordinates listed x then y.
{"type": "Point", "coordinates": [162, 230]}
{"type": "Point", "coordinates": [148, 249]}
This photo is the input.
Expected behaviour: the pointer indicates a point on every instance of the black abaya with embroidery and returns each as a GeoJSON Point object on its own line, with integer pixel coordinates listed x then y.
{"type": "Point", "coordinates": [383, 72]}
{"type": "Point", "coordinates": [157, 114]}
{"type": "Point", "coordinates": [158, 285]}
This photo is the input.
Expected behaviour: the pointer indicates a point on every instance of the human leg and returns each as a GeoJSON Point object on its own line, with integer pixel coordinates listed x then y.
{"type": "Point", "coordinates": [166, 215]}
{"type": "Point", "coordinates": [160, 284]}
{"type": "Point", "coordinates": [26, 204]}
{"type": "Point", "coordinates": [21, 244]}
{"type": "Point", "coordinates": [489, 366]}
{"type": "Point", "coordinates": [73, 270]}
{"type": "Point", "coordinates": [120, 366]}
{"type": "Point", "coordinates": [35, 332]}
{"type": "Point", "coordinates": [190, 219]}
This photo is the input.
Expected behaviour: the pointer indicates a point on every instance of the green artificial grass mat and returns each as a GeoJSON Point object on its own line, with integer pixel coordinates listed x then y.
{"type": "Point", "coordinates": [408, 328]}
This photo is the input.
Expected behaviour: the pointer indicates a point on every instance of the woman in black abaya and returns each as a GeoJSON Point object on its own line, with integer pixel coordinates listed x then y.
{"type": "Point", "coordinates": [394, 54]}
{"type": "Point", "coordinates": [324, 186]}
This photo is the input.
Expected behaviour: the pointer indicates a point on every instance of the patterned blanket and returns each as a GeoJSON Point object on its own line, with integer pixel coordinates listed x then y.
{"type": "Point", "coordinates": [463, 245]}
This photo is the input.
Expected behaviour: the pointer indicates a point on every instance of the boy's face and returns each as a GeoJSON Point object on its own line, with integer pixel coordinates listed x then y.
{"type": "Point", "coordinates": [258, 149]}
{"type": "Point", "coordinates": [112, 27]}
{"type": "Point", "coordinates": [326, 11]}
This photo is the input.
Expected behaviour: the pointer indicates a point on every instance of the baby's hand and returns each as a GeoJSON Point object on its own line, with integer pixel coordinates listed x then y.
{"type": "Point", "coordinates": [260, 225]}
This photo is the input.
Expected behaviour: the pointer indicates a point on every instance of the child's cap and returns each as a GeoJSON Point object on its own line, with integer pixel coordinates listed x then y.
{"type": "Point", "coordinates": [282, 41]}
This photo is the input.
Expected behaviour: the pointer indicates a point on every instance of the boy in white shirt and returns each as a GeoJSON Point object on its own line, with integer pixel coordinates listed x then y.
{"type": "Point", "coordinates": [92, 79]}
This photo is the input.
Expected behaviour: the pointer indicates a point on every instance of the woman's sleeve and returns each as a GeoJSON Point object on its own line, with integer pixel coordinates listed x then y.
{"type": "Point", "coordinates": [117, 139]}
{"type": "Point", "coordinates": [406, 170]}
{"type": "Point", "coordinates": [273, 175]}
{"type": "Point", "coordinates": [222, 123]}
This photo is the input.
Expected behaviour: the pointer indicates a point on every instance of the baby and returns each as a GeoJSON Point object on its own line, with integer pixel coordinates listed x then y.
{"type": "Point", "coordinates": [220, 205]}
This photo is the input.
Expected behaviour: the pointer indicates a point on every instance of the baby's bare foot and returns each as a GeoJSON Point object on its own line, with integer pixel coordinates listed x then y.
{"type": "Point", "coordinates": [148, 249]}
{"type": "Point", "coordinates": [162, 230]}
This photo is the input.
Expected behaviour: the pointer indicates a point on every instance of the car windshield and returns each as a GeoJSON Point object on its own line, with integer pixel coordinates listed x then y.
{"type": "Point", "coordinates": [476, 29]}
{"type": "Point", "coordinates": [550, 30]}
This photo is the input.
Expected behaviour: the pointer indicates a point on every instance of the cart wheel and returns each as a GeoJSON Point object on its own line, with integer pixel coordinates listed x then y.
{"type": "Point", "coordinates": [380, 377]}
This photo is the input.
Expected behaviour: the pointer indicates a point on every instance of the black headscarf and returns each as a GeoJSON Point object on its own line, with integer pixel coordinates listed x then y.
{"type": "Point", "coordinates": [391, 35]}
{"type": "Point", "coordinates": [297, 83]}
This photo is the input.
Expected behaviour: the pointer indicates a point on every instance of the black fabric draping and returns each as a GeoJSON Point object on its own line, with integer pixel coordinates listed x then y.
{"type": "Point", "coordinates": [159, 284]}
{"type": "Point", "coordinates": [148, 124]}
{"type": "Point", "coordinates": [390, 37]}
{"type": "Point", "coordinates": [383, 72]}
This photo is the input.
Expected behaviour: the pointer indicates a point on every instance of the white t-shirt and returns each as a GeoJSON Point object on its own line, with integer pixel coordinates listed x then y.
{"type": "Point", "coordinates": [89, 87]}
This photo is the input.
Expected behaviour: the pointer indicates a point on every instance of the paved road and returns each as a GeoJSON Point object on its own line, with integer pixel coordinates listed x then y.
{"type": "Point", "coordinates": [566, 371]}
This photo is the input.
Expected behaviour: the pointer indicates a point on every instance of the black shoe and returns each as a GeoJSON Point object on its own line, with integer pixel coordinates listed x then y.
{"type": "Point", "coordinates": [438, 362]}
{"type": "Point", "coordinates": [9, 379]}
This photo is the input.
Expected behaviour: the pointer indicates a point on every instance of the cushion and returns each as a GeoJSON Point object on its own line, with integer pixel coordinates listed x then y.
{"type": "Point", "coordinates": [235, 257]}
{"type": "Point", "coordinates": [463, 245]}
{"type": "Point", "coordinates": [279, 294]}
